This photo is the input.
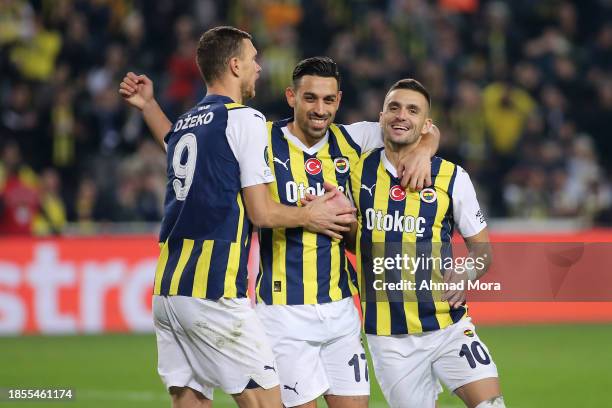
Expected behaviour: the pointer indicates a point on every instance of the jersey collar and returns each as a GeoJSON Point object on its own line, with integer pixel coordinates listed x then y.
{"type": "Point", "coordinates": [387, 164]}
{"type": "Point", "coordinates": [213, 98]}
{"type": "Point", "coordinates": [297, 142]}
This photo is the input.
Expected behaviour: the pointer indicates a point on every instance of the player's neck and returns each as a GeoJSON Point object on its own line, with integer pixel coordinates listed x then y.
{"type": "Point", "coordinates": [399, 153]}
{"type": "Point", "coordinates": [220, 88]}
{"type": "Point", "coordinates": [302, 136]}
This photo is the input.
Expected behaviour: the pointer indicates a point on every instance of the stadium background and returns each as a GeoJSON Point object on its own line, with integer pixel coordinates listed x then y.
{"type": "Point", "coordinates": [522, 94]}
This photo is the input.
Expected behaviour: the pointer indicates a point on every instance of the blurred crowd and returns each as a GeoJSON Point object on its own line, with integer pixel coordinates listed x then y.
{"type": "Point", "coordinates": [522, 93]}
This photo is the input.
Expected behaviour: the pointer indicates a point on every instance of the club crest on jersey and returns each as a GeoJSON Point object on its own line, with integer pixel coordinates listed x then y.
{"type": "Point", "coordinates": [397, 193]}
{"type": "Point", "coordinates": [468, 333]}
{"type": "Point", "coordinates": [341, 164]}
{"type": "Point", "coordinates": [313, 166]}
{"type": "Point", "coordinates": [428, 195]}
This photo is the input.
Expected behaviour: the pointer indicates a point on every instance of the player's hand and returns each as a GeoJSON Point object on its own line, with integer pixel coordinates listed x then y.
{"type": "Point", "coordinates": [137, 90]}
{"type": "Point", "coordinates": [330, 214]}
{"type": "Point", "coordinates": [455, 298]}
{"type": "Point", "coordinates": [416, 170]}
{"type": "Point", "coordinates": [327, 186]}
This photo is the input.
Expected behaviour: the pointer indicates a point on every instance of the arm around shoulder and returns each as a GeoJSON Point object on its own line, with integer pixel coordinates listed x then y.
{"type": "Point", "coordinates": [431, 140]}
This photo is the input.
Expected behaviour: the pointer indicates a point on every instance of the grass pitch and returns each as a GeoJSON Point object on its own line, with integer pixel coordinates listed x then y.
{"type": "Point", "coordinates": [540, 366]}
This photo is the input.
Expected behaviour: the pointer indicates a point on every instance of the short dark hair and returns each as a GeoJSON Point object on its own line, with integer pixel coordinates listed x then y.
{"type": "Point", "coordinates": [317, 66]}
{"type": "Point", "coordinates": [413, 85]}
{"type": "Point", "coordinates": [216, 47]}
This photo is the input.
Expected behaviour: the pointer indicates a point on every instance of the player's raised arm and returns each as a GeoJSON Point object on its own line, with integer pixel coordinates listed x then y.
{"type": "Point", "coordinates": [137, 90]}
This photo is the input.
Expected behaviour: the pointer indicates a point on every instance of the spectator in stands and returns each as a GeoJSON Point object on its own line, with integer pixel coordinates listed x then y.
{"type": "Point", "coordinates": [506, 108]}
{"type": "Point", "coordinates": [19, 200]}
{"type": "Point", "coordinates": [183, 75]}
{"type": "Point", "coordinates": [86, 210]}
{"type": "Point", "coordinates": [51, 216]}
{"type": "Point", "coordinates": [513, 79]}
{"type": "Point", "coordinates": [467, 119]}
{"type": "Point", "coordinates": [35, 59]}
{"type": "Point", "coordinates": [20, 121]}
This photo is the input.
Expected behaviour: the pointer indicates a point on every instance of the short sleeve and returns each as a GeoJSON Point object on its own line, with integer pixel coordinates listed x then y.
{"type": "Point", "coordinates": [247, 136]}
{"type": "Point", "coordinates": [469, 218]}
{"type": "Point", "coordinates": [367, 135]}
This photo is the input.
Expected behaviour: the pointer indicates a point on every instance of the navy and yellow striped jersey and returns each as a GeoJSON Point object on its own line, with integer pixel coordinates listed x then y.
{"type": "Point", "coordinates": [297, 266]}
{"type": "Point", "coordinates": [205, 234]}
{"type": "Point", "coordinates": [391, 221]}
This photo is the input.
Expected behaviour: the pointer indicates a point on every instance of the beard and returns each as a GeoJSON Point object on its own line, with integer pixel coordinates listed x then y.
{"type": "Point", "coordinates": [247, 91]}
{"type": "Point", "coordinates": [312, 135]}
{"type": "Point", "coordinates": [312, 132]}
{"type": "Point", "coordinates": [407, 140]}
{"type": "Point", "coordinates": [398, 143]}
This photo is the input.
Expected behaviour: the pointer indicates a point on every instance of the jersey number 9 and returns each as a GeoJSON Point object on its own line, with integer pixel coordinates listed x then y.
{"type": "Point", "coordinates": [184, 171]}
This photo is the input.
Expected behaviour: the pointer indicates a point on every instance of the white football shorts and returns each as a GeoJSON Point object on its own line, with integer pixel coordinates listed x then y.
{"type": "Point", "coordinates": [410, 367]}
{"type": "Point", "coordinates": [318, 350]}
{"type": "Point", "coordinates": [204, 344]}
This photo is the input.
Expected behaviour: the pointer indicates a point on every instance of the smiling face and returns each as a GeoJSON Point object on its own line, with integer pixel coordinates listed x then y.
{"type": "Point", "coordinates": [404, 118]}
{"type": "Point", "coordinates": [315, 102]}
{"type": "Point", "coordinates": [250, 69]}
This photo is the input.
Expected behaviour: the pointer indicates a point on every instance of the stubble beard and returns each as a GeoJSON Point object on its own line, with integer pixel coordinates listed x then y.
{"type": "Point", "coordinates": [312, 134]}
{"type": "Point", "coordinates": [248, 91]}
{"type": "Point", "coordinates": [396, 145]}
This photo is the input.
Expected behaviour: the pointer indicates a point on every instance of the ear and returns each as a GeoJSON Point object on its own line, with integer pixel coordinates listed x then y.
{"type": "Point", "coordinates": [290, 95]}
{"type": "Point", "coordinates": [427, 126]}
{"type": "Point", "coordinates": [339, 98]}
{"type": "Point", "coordinates": [234, 66]}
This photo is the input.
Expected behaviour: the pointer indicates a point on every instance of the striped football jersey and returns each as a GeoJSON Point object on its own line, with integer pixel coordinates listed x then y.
{"type": "Point", "coordinates": [393, 222]}
{"type": "Point", "coordinates": [205, 235]}
{"type": "Point", "coordinates": [298, 266]}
